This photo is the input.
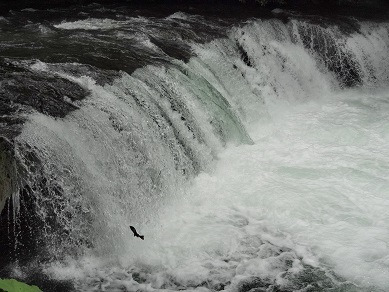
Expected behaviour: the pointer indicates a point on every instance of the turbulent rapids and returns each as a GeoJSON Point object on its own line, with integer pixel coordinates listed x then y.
{"type": "Point", "coordinates": [252, 154]}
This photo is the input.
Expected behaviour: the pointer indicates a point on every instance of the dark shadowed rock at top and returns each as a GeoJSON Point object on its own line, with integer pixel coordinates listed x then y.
{"type": "Point", "coordinates": [249, 6]}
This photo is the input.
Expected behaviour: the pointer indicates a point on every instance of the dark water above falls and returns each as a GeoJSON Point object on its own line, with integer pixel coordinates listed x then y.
{"type": "Point", "coordinates": [252, 153]}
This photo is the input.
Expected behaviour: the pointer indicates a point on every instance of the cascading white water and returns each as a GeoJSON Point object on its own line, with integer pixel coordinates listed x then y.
{"type": "Point", "coordinates": [249, 166]}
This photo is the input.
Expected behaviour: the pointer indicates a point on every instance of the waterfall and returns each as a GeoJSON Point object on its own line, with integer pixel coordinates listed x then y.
{"type": "Point", "coordinates": [154, 148]}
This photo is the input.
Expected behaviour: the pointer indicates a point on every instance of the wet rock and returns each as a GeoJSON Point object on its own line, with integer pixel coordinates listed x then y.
{"type": "Point", "coordinates": [252, 284]}
{"type": "Point", "coordinates": [8, 180]}
{"type": "Point", "coordinates": [42, 91]}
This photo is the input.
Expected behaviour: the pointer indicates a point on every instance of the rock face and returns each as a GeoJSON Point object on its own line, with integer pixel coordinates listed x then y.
{"type": "Point", "coordinates": [8, 181]}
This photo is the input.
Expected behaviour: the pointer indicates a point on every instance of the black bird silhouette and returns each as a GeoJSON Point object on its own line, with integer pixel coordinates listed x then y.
{"type": "Point", "coordinates": [136, 234]}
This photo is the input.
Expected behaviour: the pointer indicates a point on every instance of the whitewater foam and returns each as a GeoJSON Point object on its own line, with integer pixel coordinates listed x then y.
{"type": "Point", "coordinates": [91, 24]}
{"type": "Point", "coordinates": [304, 206]}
